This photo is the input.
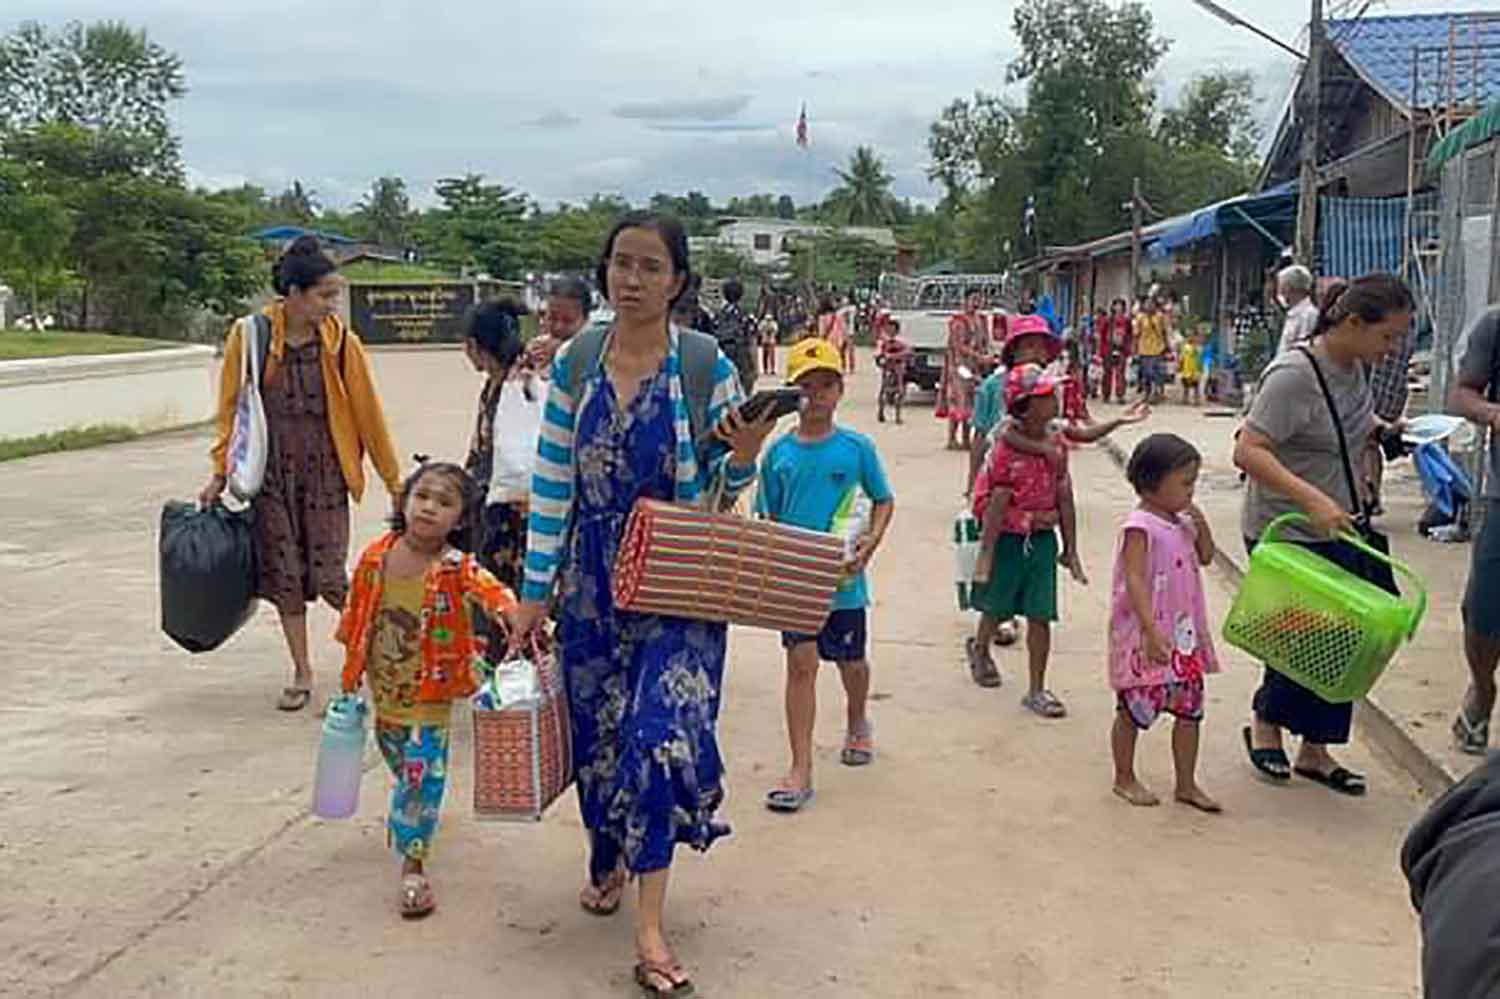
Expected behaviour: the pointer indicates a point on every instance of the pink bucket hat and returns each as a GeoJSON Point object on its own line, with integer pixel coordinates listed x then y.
{"type": "Point", "coordinates": [1023, 326]}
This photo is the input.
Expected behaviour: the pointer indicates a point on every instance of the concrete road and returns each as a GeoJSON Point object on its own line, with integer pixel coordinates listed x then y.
{"type": "Point", "coordinates": [154, 839]}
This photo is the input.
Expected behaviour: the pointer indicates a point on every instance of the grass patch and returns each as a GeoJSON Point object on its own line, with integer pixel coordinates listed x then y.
{"type": "Point", "coordinates": [76, 439]}
{"type": "Point", "coordinates": [25, 345]}
{"type": "Point", "coordinates": [376, 270]}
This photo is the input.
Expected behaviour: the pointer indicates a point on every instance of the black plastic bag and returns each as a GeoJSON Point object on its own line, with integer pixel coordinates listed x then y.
{"type": "Point", "coordinates": [207, 568]}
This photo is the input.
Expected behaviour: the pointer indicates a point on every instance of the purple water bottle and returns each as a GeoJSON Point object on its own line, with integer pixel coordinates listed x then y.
{"type": "Point", "coordinates": [341, 755]}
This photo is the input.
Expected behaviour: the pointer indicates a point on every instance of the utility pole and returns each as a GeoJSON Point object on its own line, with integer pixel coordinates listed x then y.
{"type": "Point", "coordinates": [1312, 99]}
{"type": "Point", "coordinates": [1135, 238]}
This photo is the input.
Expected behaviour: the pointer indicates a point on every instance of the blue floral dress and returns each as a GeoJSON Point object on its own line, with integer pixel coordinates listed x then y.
{"type": "Point", "coordinates": [643, 690]}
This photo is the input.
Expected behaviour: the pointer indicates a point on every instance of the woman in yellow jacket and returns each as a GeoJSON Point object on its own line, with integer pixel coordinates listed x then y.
{"type": "Point", "coordinates": [323, 415]}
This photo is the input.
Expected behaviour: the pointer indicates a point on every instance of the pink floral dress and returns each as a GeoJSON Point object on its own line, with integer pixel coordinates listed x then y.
{"type": "Point", "coordinates": [1180, 614]}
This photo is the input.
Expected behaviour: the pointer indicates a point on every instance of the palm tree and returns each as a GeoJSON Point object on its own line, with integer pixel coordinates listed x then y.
{"type": "Point", "coordinates": [864, 197]}
{"type": "Point", "coordinates": [385, 211]}
{"type": "Point", "coordinates": [296, 204]}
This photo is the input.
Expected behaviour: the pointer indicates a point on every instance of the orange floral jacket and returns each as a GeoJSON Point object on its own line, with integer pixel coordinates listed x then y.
{"type": "Point", "coordinates": [449, 652]}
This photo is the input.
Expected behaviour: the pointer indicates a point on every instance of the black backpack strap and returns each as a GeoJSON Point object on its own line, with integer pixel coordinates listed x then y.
{"type": "Point", "coordinates": [1360, 513]}
{"type": "Point", "coordinates": [584, 352]}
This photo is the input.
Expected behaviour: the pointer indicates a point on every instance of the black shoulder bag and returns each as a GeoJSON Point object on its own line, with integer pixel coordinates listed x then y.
{"type": "Point", "coordinates": [1367, 568]}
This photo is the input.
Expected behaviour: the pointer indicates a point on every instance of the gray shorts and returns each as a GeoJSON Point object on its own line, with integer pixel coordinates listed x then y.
{"type": "Point", "coordinates": [1153, 372]}
{"type": "Point", "coordinates": [1482, 599]}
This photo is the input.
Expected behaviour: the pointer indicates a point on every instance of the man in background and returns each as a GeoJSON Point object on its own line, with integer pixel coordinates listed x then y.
{"type": "Point", "coordinates": [736, 334]}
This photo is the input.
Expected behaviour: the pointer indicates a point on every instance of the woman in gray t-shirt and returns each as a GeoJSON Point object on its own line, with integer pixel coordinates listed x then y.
{"type": "Point", "coordinates": [1289, 450]}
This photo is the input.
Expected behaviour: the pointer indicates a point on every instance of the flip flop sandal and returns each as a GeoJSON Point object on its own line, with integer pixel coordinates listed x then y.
{"type": "Point", "coordinates": [1473, 738]}
{"type": "Point", "coordinates": [606, 898]}
{"type": "Point", "coordinates": [294, 698]}
{"type": "Point", "coordinates": [1270, 762]}
{"type": "Point", "coordinates": [679, 986]}
{"type": "Point", "coordinates": [788, 800]}
{"type": "Point", "coordinates": [1044, 704]}
{"type": "Point", "coordinates": [416, 897]}
{"type": "Point", "coordinates": [1338, 779]}
{"type": "Point", "coordinates": [859, 749]}
{"type": "Point", "coordinates": [983, 670]}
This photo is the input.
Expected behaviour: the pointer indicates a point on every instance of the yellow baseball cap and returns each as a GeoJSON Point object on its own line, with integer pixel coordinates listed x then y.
{"type": "Point", "coordinates": [812, 354]}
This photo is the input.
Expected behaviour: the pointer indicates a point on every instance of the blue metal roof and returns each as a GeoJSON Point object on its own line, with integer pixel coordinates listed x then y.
{"type": "Point", "coordinates": [1380, 50]}
{"type": "Point", "coordinates": [286, 233]}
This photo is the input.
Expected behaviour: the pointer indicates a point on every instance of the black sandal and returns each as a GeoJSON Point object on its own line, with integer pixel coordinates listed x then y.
{"type": "Point", "coordinates": [981, 667]}
{"type": "Point", "coordinates": [1339, 779]}
{"type": "Point", "coordinates": [1270, 762]}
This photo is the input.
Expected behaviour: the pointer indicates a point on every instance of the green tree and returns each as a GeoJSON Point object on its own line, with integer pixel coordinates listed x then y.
{"type": "Point", "coordinates": [384, 213]}
{"type": "Point", "coordinates": [786, 208]}
{"type": "Point", "coordinates": [105, 77]}
{"type": "Point", "coordinates": [478, 226]}
{"type": "Point", "coordinates": [36, 230]}
{"type": "Point", "coordinates": [568, 238]}
{"type": "Point", "coordinates": [863, 196]}
{"type": "Point", "coordinates": [834, 258]}
{"type": "Point", "coordinates": [1216, 111]}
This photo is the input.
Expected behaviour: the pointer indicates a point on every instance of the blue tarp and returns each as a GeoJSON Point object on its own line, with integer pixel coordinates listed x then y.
{"type": "Point", "coordinates": [1267, 208]}
{"type": "Point", "coordinates": [1446, 485]}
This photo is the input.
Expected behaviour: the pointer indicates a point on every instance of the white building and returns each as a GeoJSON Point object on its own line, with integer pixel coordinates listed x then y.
{"type": "Point", "coordinates": [769, 242]}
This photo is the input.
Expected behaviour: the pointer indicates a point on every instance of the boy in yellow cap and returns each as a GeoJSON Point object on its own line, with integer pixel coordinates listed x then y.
{"type": "Point", "coordinates": [821, 476]}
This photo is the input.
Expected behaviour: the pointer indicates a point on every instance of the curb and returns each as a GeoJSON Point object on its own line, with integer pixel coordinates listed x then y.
{"type": "Point", "coordinates": [1376, 724]}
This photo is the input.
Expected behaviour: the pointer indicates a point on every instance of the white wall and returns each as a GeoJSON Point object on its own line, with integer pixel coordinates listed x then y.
{"type": "Point", "coordinates": [151, 390]}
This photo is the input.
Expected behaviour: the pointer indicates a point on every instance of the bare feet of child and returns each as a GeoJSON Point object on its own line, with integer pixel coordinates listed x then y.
{"type": "Point", "coordinates": [1136, 793]}
{"type": "Point", "coordinates": [1198, 798]}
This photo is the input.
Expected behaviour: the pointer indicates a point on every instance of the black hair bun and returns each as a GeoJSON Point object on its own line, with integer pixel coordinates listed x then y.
{"type": "Point", "coordinates": [306, 245]}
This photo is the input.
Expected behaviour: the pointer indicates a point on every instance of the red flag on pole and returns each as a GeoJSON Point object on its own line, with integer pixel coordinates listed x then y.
{"type": "Point", "coordinates": [802, 127]}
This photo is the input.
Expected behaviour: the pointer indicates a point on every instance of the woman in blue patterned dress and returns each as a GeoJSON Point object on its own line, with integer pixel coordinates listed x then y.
{"type": "Point", "coordinates": [643, 689]}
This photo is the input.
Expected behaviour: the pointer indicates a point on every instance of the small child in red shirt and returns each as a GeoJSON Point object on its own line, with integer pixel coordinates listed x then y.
{"type": "Point", "coordinates": [1022, 498]}
{"type": "Point", "coordinates": [893, 354]}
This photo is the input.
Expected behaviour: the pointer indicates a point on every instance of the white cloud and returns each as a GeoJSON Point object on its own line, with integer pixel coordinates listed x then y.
{"type": "Point", "coordinates": [524, 91]}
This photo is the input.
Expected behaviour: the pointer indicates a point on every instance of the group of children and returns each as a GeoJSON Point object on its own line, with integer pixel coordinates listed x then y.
{"type": "Point", "coordinates": [1022, 494]}
{"type": "Point", "coordinates": [409, 638]}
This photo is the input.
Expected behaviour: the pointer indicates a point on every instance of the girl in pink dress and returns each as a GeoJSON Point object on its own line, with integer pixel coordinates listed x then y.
{"type": "Point", "coordinates": [1159, 641]}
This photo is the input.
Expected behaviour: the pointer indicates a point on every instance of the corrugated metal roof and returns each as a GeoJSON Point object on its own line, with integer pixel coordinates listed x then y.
{"type": "Point", "coordinates": [1380, 49]}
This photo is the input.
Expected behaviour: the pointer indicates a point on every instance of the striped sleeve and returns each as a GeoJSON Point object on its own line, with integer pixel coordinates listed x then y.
{"type": "Point", "coordinates": [727, 396]}
{"type": "Point", "coordinates": [551, 485]}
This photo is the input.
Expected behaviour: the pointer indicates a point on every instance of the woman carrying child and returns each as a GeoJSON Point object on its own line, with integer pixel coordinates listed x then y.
{"type": "Point", "coordinates": [407, 631]}
{"type": "Point", "coordinates": [1160, 646]}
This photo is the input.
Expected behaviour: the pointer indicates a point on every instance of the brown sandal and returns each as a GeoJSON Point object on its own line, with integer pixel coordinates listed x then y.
{"type": "Point", "coordinates": [605, 899]}
{"type": "Point", "coordinates": [670, 979]}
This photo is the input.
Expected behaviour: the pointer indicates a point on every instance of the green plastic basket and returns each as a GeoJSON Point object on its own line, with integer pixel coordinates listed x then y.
{"type": "Point", "coordinates": [1316, 622]}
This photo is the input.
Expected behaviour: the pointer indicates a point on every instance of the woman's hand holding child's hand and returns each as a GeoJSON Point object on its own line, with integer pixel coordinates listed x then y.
{"type": "Point", "coordinates": [523, 621]}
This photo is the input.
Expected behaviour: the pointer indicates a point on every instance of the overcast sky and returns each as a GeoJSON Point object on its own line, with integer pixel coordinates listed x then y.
{"type": "Point", "coordinates": [568, 97]}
